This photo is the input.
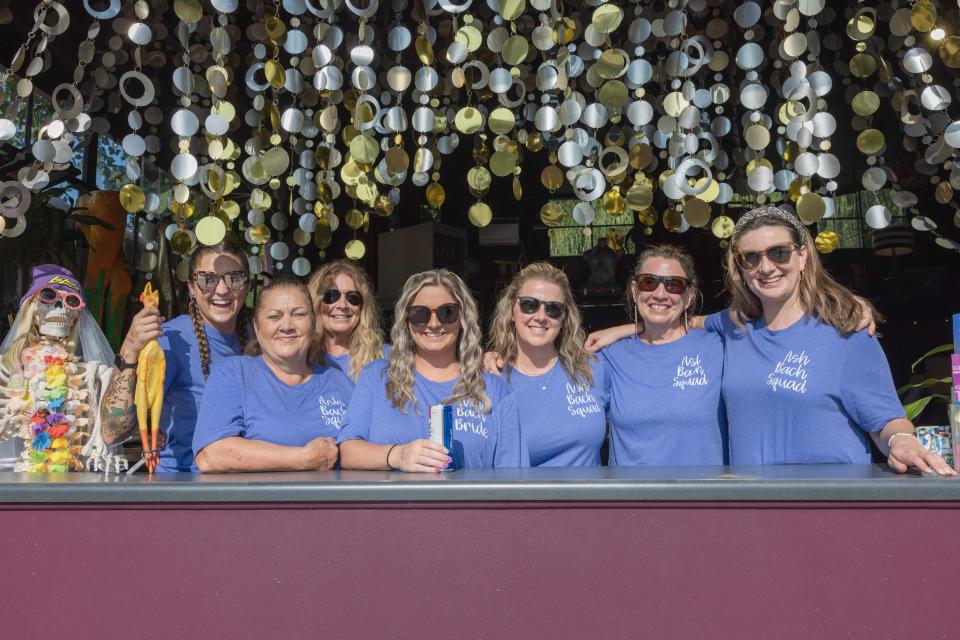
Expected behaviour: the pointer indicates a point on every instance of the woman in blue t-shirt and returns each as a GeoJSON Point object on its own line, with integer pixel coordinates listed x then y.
{"type": "Point", "coordinates": [801, 384]}
{"type": "Point", "coordinates": [664, 380]}
{"type": "Point", "coordinates": [279, 410]}
{"type": "Point", "coordinates": [214, 328]}
{"type": "Point", "coordinates": [436, 359]}
{"type": "Point", "coordinates": [348, 318]}
{"type": "Point", "coordinates": [559, 386]}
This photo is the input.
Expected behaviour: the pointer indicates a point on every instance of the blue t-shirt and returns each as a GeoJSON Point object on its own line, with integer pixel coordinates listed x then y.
{"type": "Point", "coordinates": [479, 440]}
{"type": "Point", "coordinates": [563, 423]}
{"type": "Point", "coordinates": [342, 362]}
{"type": "Point", "coordinates": [244, 398]}
{"type": "Point", "coordinates": [803, 394]}
{"type": "Point", "coordinates": [183, 386]}
{"type": "Point", "coordinates": [665, 404]}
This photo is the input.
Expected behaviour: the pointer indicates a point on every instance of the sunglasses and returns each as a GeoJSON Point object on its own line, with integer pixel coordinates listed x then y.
{"type": "Point", "coordinates": [419, 315]}
{"type": "Point", "coordinates": [49, 295]}
{"type": "Point", "coordinates": [529, 306]}
{"type": "Point", "coordinates": [208, 281]}
{"type": "Point", "coordinates": [673, 284]}
{"type": "Point", "coordinates": [330, 296]}
{"type": "Point", "coordinates": [777, 254]}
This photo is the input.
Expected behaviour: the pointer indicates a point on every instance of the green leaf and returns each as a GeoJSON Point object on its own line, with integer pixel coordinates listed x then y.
{"type": "Point", "coordinates": [941, 349]}
{"type": "Point", "coordinates": [923, 384]}
{"type": "Point", "coordinates": [916, 408]}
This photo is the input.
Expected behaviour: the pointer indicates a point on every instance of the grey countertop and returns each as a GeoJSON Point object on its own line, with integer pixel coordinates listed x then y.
{"type": "Point", "coordinates": [846, 483]}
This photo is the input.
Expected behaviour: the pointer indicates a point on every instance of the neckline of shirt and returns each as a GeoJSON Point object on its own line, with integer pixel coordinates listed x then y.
{"type": "Point", "coordinates": [760, 325]}
{"type": "Point", "coordinates": [535, 376]}
{"type": "Point", "coordinates": [315, 370]}
{"type": "Point", "coordinates": [659, 345]}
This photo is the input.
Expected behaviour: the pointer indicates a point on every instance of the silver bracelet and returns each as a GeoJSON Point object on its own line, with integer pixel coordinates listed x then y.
{"type": "Point", "coordinates": [902, 433]}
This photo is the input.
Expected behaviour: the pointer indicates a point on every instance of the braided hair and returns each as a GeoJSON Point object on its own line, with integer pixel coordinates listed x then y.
{"type": "Point", "coordinates": [242, 328]}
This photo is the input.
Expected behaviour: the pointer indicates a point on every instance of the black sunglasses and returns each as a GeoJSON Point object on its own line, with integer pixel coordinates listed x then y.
{"type": "Point", "coordinates": [419, 315]}
{"type": "Point", "coordinates": [529, 306]}
{"type": "Point", "coordinates": [208, 281]}
{"type": "Point", "coordinates": [330, 296]}
{"type": "Point", "coordinates": [777, 254]}
{"type": "Point", "coordinates": [673, 284]}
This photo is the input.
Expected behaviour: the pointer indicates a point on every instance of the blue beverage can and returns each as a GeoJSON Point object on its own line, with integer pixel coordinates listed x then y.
{"type": "Point", "coordinates": [441, 428]}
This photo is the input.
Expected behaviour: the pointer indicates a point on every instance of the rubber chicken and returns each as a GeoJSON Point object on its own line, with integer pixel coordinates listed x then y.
{"type": "Point", "coordinates": [148, 398]}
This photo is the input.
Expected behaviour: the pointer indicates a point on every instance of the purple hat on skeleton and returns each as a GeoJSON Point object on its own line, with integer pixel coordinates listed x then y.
{"type": "Point", "coordinates": [51, 275]}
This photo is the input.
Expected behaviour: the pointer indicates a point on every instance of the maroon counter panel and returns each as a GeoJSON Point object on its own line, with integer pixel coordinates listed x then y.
{"type": "Point", "coordinates": [637, 569]}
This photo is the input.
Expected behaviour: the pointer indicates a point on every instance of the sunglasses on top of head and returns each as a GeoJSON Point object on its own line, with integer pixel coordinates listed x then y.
{"type": "Point", "coordinates": [419, 315]}
{"type": "Point", "coordinates": [330, 296]}
{"type": "Point", "coordinates": [777, 254]}
{"type": "Point", "coordinates": [529, 306]}
{"type": "Point", "coordinates": [673, 284]}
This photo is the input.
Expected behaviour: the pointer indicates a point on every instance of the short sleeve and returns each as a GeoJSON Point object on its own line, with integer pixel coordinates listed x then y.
{"type": "Point", "coordinates": [602, 384]}
{"type": "Point", "coordinates": [357, 420]}
{"type": "Point", "coordinates": [221, 408]}
{"type": "Point", "coordinates": [718, 322]}
{"type": "Point", "coordinates": [511, 449]}
{"type": "Point", "coordinates": [172, 362]}
{"type": "Point", "coordinates": [868, 393]}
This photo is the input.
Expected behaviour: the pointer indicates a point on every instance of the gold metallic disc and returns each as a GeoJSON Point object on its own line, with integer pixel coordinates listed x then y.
{"type": "Point", "coordinates": [552, 177]}
{"type": "Point", "coordinates": [210, 230]}
{"type": "Point", "coordinates": [870, 141]}
{"type": "Point", "coordinates": [826, 241]}
{"type": "Point", "coordinates": [355, 249]}
{"type": "Point", "coordinates": [436, 195]}
{"type": "Point", "coordinates": [613, 203]}
{"type": "Point", "coordinates": [480, 214]}
{"type": "Point", "coordinates": [811, 207]}
{"type": "Point", "coordinates": [696, 212]}
{"type": "Point", "coordinates": [479, 179]}
{"type": "Point", "coordinates": [722, 227]}
{"type": "Point", "coordinates": [131, 198]}
{"type": "Point", "coordinates": [181, 242]}
{"type": "Point", "coordinates": [551, 214]}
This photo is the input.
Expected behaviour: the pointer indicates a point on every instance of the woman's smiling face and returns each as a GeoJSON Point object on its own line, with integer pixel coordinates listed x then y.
{"type": "Point", "coordinates": [284, 325]}
{"type": "Point", "coordinates": [771, 282]}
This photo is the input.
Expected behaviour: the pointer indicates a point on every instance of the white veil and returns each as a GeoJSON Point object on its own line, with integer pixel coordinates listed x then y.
{"type": "Point", "coordinates": [93, 345]}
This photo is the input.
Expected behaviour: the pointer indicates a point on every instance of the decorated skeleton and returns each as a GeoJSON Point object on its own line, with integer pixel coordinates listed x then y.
{"type": "Point", "coordinates": [55, 365]}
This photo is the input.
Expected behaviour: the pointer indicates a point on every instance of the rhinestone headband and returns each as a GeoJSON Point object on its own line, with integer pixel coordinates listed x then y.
{"type": "Point", "coordinates": [767, 212]}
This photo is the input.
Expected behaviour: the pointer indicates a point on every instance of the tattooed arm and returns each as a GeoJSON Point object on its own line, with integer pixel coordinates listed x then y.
{"type": "Point", "coordinates": [118, 413]}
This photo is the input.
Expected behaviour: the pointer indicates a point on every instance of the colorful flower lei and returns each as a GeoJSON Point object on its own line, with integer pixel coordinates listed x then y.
{"type": "Point", "coordinates": [50, 449]}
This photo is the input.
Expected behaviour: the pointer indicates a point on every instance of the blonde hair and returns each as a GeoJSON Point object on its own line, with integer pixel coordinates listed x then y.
{"type": "Point", "coordinates": [666, 252]}
{"type": "Point", "coordinates": [28, 334]}
{"type": "Point", "coordinates": [316, 352]}
{"type": "Point", "coordinates": [820, 295]}
{"type": "Point", "coordinates": [366, 342]}
{"type": "Point", "coordinates": [400, 372]}
{"type": "Point", "coordinates": [574, 359]}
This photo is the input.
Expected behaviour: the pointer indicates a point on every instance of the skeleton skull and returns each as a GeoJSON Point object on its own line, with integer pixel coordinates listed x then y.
{"type": "Point", "coordinates": [56, 312]}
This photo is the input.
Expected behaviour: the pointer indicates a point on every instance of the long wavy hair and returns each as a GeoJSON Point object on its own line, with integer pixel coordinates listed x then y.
{"type": "Point", "coordinates": [820, 295]}
{"type": "Point", "coordinates": [469, 344]}
{"type": "Point", "coordinates": [667, 252]}
{"type": "Point", "coordinates": [315, 353]}
{"type": "Point", "coordinates": [366, 342]}
{"type": "Point", "coordinates": [28, 334]}
{"type": "Point", "coordinates": [574, 359]}
{"type": "Point", "coordinates": [243, 326]}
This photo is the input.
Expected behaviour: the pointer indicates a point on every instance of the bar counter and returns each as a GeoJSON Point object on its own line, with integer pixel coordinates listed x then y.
{"type": "Point", "coordinates": [819, 551]}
